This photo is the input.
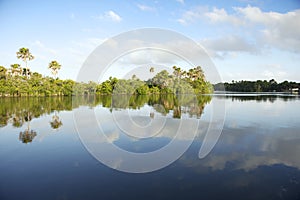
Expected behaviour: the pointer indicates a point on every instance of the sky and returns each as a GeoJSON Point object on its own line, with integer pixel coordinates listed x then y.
{"type": "Point", "coordinates": [245, 39]}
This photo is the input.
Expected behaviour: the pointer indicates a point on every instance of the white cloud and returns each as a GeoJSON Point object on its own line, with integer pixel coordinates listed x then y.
{"type": "Point", "coordinates": [229, 43]}
{"type": "Point", "coordinates": [279, 29]}
{"type": "Point", "coordinates": [192, 15]}
{"type": "Point", "coordinates": [274, 29]}
{"type": "Point", "coordinates": [180, 1]}
{"type": "Point", "coordinates": [220, 15]}
{"type": "Point", "coordinates": [214, 16]}
{"type": "Point", "coordinates": [113, 16]}
{"type": "Point", "coordinates": [145, 8]}
{"type": "Point", "coordinates": [110, 15]}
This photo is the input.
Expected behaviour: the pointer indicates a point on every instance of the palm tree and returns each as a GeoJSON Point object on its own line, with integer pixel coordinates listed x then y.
{"type": "Point", "coordinates": [25, 55]}
{"type": "Point", "coordinates": [177, 72]}
{"type": "Point", "coordinates": [199, 73]}
{"type": "Point", "coordinates": [54, 66]}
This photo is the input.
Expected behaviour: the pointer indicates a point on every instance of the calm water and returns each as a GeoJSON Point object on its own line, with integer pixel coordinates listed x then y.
{"type": "Point", "coordinates": [256, 157]}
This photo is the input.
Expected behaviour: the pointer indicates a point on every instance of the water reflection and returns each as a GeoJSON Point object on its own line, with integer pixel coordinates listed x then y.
{"type": "Point", "coordinates": [19, 110]}
{"type": "Point", "coordinates": [56, 122]}
{"type": "Point", "coordinates": [257, 156]}
{"type": "Point", "coordinates": [27, 135]}
{"type": "Point", "coordinates": [258, 97]}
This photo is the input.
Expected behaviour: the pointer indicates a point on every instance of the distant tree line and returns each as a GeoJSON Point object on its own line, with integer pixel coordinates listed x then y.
{"type": "Point", "coordinates": [257, 86]}
{"type": "Point", "coordinates": [18, 81]}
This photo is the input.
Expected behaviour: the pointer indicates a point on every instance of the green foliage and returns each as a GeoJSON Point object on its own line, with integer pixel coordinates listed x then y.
{"type": "Point", "coordinates": [257, 86]}
{"type": "Point", "coordinates": [25, 55]}
{"type": "Point", "coordinates": [3, 72]}
{"type": "Point", "coordinates": [143, 89]}
{"type": "Point", "coordinates": [54, 66]}
{"type": "Point", "coordinates": [18, 81]}
{"type": "Point", "coordinates": [154, 90]}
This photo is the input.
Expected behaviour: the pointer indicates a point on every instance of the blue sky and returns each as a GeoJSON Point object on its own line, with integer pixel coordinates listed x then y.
{"type": "Point", "coordinates": [246, 39]}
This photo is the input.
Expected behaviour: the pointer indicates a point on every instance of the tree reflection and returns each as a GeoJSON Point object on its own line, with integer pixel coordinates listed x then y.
{"type": "Point", "coordinates": [258, 97]}
{"type": "Point", "coordinates": [56, 122]}
{"type": "Point", "coordinates": [15, 110]}
{"type": "Point", "coordinates": [28, 135]}
{"type": "Point", "coordinates": [18, 111]}
{"type": "Point", "coordinates": [179, 104]}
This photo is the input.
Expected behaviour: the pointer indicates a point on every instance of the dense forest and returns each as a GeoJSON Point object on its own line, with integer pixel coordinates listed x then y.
{"type": "Point", "coordinates": [20, 81]}
{"type": "Point", "coordinates": [257, 86]}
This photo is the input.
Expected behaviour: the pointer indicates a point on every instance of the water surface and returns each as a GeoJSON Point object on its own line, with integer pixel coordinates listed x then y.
{"type": "Point", "coordinates": [256, 156]}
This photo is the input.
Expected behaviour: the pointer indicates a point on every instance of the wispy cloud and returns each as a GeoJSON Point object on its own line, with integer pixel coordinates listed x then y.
{"type": "Point", "coordinates": [221, 16]}
{"type": "Point", "coordinates": [192, 15]}
{"type": "Point", "coordinates": [180, 1]}
{"type": "Point", "coordinates": [145, 7]}
{"type": "Point", "coordinates": [110, 15]}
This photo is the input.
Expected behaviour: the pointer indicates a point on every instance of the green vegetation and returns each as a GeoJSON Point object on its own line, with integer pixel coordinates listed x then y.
{"type": "Point", "coordinates": [54, 66]}
{"type": "Point", "coordinates": [257, 86]}
{"type": "Point", "coordinates": [17, 81]}
{"type": "Point", "coordinates": [25, 55]}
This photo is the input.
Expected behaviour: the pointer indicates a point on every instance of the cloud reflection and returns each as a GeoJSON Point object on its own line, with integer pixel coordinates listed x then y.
{"type": "Point", "coordinates": [249, 148]}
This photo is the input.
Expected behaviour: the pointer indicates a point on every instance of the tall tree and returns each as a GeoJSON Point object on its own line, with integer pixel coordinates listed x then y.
{"type": "Point", "coordinates": [25, 55]}
{"type": "Point", "coordinates": [54, 66]}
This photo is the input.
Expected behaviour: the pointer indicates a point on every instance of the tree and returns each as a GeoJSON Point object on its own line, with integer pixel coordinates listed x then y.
{"type": "Point", "coordinates": [25, 55]}
{"type": "Point", "coordinates": [54, 66]}
{"type": "Point", "coordinates": [151, 69]}
{"type": "Point", "coordinates": [177, 72]}
{"type": "Point", "coordinates": [150, 83]}
{"type": "Point", "coordinates": [16, 69]}
{"type": "Point", "coordinates": [134, 77]}
{"type": "Point", "coordinates": [3, 71]}
{"type": "Point", "coordinates": [196, 73]}
{"type": "Point", "coordinates": [161, 79]}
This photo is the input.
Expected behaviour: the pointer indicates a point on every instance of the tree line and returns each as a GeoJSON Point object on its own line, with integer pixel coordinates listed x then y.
{"type": "Point", "coordinates": [21, 81]}
{"type": "Point", "coordinates": [257, 86]}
